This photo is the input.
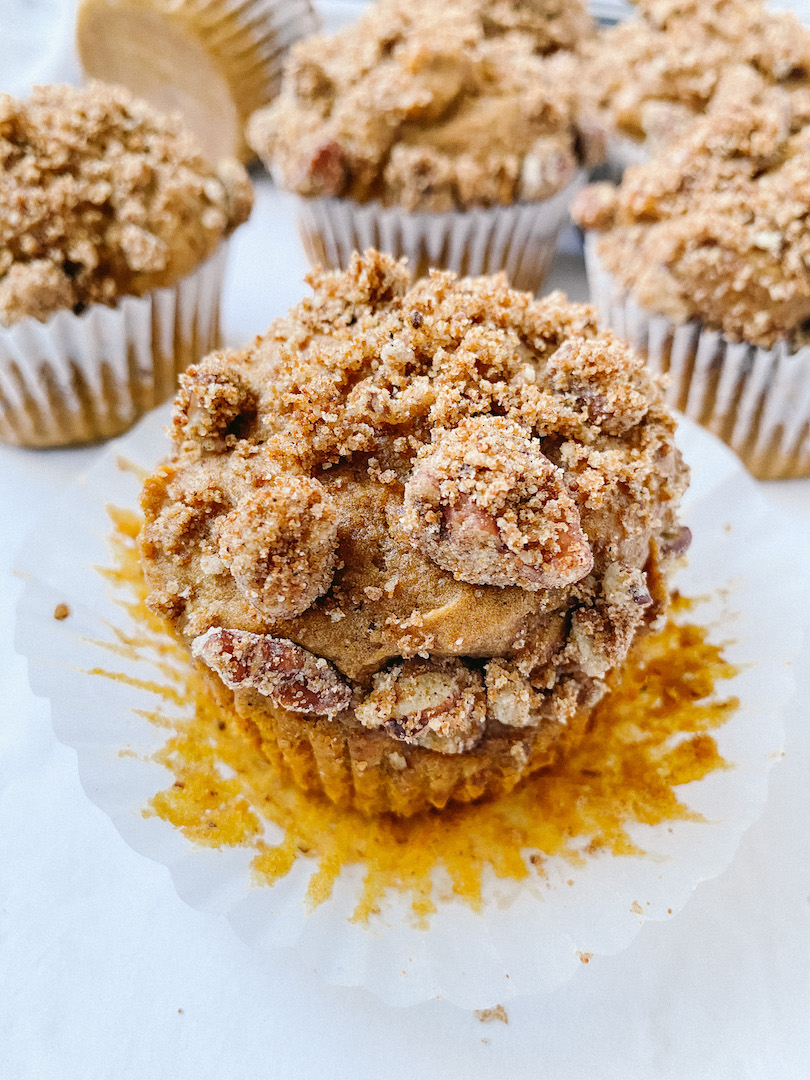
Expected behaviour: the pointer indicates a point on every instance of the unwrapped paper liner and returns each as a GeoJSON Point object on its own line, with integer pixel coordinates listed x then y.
{"type": "Point", "coordinates": [530, 936]}
{"type": "Point", "coordinates": [519, 239]}
{"type": "Point", "coordinates": [756, 400]}
{"type": "Point", "coordinates": [81, 378]}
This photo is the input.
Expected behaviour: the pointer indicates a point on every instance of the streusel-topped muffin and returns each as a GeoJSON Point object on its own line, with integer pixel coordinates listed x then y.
{"type": "Point", "coordinates": [451, 135]}
{"type": "Point", "coordinates": [103, 200]}
{"type": "Point", "coordinates": [431, 108]}
{"type": "Point", "coordinates": [651, 76]}
{"type": "Point", "coordinates": [701, 259]}
{"type": "Point", "coordinates": [411, 530]}
{"type": "Point", "coordinates": [101, 197]}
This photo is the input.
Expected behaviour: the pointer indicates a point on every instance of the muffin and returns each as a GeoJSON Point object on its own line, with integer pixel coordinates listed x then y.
{"type": "Point", "coordinates": [452, 135]}
{"type": "Point", "coordinates": [213, 63]}
{"type": "Point", "coordinates": [700, 259]}
{"type": "Point", "coordinates": [407, 534]}
{"type": "Point", "coordinates": [650, 77]}
{"type": "Point", "coordinates": [111, 258]}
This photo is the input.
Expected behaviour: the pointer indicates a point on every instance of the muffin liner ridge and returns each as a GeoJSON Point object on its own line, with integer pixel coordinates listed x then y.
{"type": "Point", "coordinates": [82, 378]}
{"type": "Point", "coordinates": [519, 239]}
{"type": "Point", "coordinates": [756, 400]}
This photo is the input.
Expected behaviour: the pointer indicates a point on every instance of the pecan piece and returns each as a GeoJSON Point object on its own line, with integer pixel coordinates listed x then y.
{"type": "Point", "coordinates": [280, 544]}
{"type": "Point", "coordinates": [438, 704]}
{"type": "Point", "coordinates": [514, 702]}
{"type": "Point", "coordinates": [292, 676]}
{"type": "Point", "coordinates": [485, 504]}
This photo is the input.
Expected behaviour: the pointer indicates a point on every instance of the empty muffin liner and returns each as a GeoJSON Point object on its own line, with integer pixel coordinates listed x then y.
{"type": "Point", "coordinates": [82, 378]}
{"type": "Point", "coordinates": [528, 936]}
{"type": "Point", "coordinates": [756, 400]}
{"type": "Point", "coordinates": [520, 239]}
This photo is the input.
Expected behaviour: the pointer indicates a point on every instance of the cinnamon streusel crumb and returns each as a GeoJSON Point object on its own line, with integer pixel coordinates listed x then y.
{"type": "Point", "coordinates": [434, 107]}
{"type": "Point", "coordinates": [649, 77]}
{"type": "Point", "coordinates": [100, 197]}
{"type": "Point", "coordinates": [715, 227]}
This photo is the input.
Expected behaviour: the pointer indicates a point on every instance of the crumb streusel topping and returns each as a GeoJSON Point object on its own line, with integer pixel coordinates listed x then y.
{"type": "Point", "coordinates": [717, 225]}
{"type": "Point", "coordinates": [100, 197]}
{"type": "Point", "coordinates": [650, 76]}
{"type": "Point", "coordinates": [434, 509]}
{"type": "Point", "coordinates": [434, 107]}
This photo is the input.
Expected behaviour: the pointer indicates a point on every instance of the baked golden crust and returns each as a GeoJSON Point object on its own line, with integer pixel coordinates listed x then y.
{"type": "Point", "coordinates": [715, 226]}
{"type": "Point", "coordinates": [649, 77]}
{"type": "Point", "coordinates": [102, 197]}
{"type": "Point", "coordinates": [434, 107]}
{"type": "Point", "coordinates": [446, 644]}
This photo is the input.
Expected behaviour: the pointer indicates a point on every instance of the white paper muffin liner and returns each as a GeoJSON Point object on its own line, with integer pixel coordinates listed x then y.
{"type": "Point", "coordinates": [756, 400]}
{"type": "Point", "coordinates": [530, 936]}
{"type": "Point", "coordinates": [81, 378]}
{"type": "Point", "coordinates": [520, 239]}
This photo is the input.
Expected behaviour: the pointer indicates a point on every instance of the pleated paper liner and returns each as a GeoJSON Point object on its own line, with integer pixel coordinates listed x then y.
{"type": "Point", "coordinates": [520, 239]}
{"type": "Point", "coordinates": [83, 378]}
{"type": "Point", "coordinates": [111, 681]}
{"type": "Point", "coordinates": [756, 400]}
{"type": "Point", "coordinates": [215, 61]}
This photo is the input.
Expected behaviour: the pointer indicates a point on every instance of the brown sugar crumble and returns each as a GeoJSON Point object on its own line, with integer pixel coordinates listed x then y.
{"type": "Point", "coordinates": [715, 226]}
{"type": "Point", "coordinates": [650, 76]}
{"type": "Point", "coordinates": [434, 108]}
{"type": "Point", "coordinates": [434, 536]}
{"type": "Point", "coordinates": [497, 1012]}
{"type": "Point", "coordinates": [100, 197]}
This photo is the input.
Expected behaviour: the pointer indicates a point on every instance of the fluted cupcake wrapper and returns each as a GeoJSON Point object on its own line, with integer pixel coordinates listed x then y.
{"type": "Point", "coordinates": [109, 702]}
{"type": "Point", "coordinates": [250, 38]}
{"type": "Point", "coordinates": [756, 400]}
{"type": "Point", "coordinates": [81, 378]}
{"type": "Point", "coordinates": [520, 239]}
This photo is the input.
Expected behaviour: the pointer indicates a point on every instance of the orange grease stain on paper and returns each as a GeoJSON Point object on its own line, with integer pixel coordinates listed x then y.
{"type": "Point", "coordinates": [651, 733]}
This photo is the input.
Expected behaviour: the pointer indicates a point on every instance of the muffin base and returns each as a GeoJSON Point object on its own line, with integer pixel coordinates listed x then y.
{"type": "Point", "coordinates": [84, 378]}
{"type": "Point", "coordinates": [362, 769]}
{"type": "Point", "coordinates": [519, 240]}
{"type": "Point", "coordinates": [756, 400]}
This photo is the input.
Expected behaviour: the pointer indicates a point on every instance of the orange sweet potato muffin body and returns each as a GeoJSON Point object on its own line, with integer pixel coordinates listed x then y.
{"type": "Point", "coordinates": [410, 530]}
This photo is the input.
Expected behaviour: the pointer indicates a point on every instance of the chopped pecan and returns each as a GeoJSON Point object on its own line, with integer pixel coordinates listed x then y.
{"type": "Point", "coordinates": [438, 704]}
{"type": "Point", "coordinates": [486, 504]}
{"type": "Point", "coordinates": [293, 677]}
{"type": "Point", "coordinates": [676, 541]}
{"type": "Point", "coordinates": [607, 381]}
{"type": "Point", "coordinates": [514, 702]}
{"type": "Point", "coordinates": [280, 544]}
{"type": "Point", "coordinates": [326, 169]}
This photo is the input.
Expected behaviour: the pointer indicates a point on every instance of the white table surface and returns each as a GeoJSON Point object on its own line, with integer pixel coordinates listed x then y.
{"type": "Point", "coordinates": [105, 972]}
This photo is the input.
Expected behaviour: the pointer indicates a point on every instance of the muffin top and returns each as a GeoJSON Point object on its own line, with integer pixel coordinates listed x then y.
{"type": "Point", "coordinates": [443, 480]}
{"type": "Point", "coordinates": [649, 77]}
{"type": "Point", "coordinates": [101, 197]}
{"type": "Point", "coordinates": [434, 107]}
{"type": "Point", "coordinates": [715, 226]}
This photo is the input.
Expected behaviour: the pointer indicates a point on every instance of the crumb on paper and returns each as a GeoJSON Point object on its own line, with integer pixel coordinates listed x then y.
{"type": "Point", "coordinates": [61, 611]}
{"type": "Point", "coordinates": [585, 957]}
{"type": "Point", "coordinates": [636, 908]}
{"type": "Point", "coordinates": [488, 1016]}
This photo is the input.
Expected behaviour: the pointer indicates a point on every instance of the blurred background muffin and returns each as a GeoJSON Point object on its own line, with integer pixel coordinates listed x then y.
{"type": "Point", "coordinates": [652, 75]}
{"type": "Point", "coordinates": [213, 61]}
{"type": "Point", "coordinates": [112, 225]}
{"type": "Point", "coordinates": [701, 259]}
{"type": "Point", "coordinates": [452, 135]}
